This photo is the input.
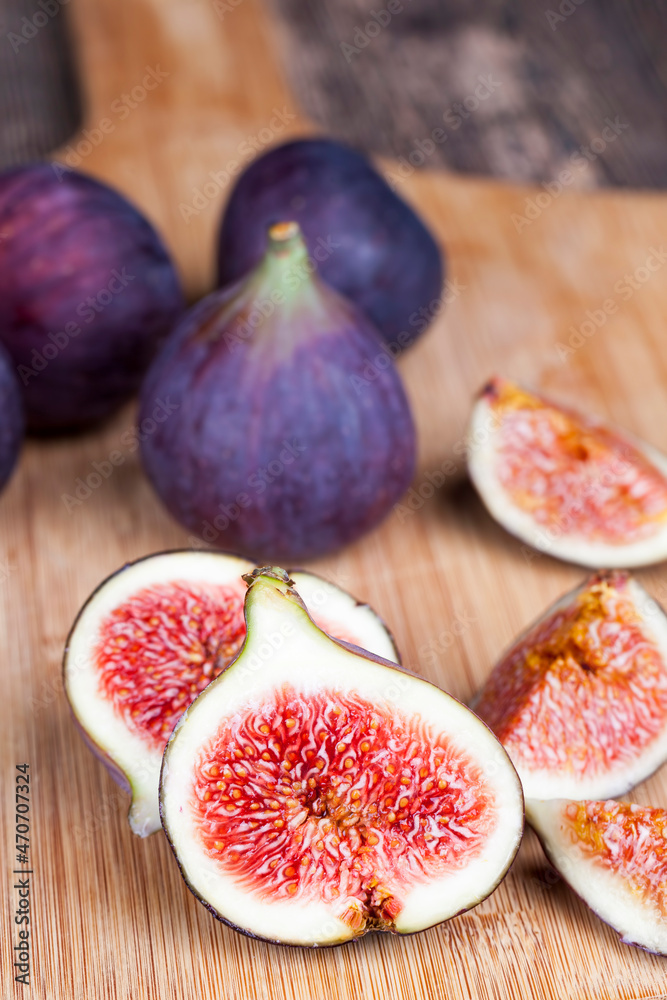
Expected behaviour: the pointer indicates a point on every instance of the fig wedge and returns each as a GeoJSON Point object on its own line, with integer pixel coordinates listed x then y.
{"type": "Point", "coordinates": [153, 635]}
{"type": "Point", "coordinates": [614, 856]}
{"type": "Point", "coordinates": [314, 792]}
{"type": "Point", "coordinates": [580, 700]}
{"type": "Point", "coordinates": [567, 484]}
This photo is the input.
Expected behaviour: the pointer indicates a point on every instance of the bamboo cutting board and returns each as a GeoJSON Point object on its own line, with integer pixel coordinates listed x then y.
{"type": "Point", "coordinates": [111, 917]}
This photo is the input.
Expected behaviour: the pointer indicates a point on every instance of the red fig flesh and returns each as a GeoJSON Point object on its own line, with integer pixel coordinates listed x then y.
{"type": "Point", "coordinates": [314, 792]}
{"type": "Point", "coordinates": [280, 445]}
{"type": "Point", "coordinates": [614, 856]}
{"type": "Point", "coordinates": [153, 635]}
{"type": "Point", "coordinates": [580, 700]}
{"type": "Point", "coordinates": [565, 483]}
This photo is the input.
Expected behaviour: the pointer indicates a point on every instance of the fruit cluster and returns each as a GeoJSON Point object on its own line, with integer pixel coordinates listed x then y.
{"type": "Point", "coordinates": [325, 277]}
{"type": "Point", "coordinates": [311, 789]}
{"type": "Point", "coordinates": [287, 767]}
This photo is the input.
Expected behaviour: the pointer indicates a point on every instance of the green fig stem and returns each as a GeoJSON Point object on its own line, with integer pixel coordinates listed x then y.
{"type": "Point", "coordinates": [284, 265]}
{"type": "Point", "coordinates": [270, 587]}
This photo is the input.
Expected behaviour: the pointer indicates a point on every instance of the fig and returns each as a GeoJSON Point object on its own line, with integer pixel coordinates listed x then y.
{"type": "Point", "coordinates": [565, 483]}
{"type": "Point", "coordinates": [314, 792]}
{"type": "Point", "coordinates": [614, 856]}
{"type": "Point", "coordinates": [12, 423]}
{"type": "Point", "coordinates": [279, 447]}
{"type": "Point", "coordinates": [580, 699]}
{"type": "Point", "coordinates": [362, 238]}
{"type": "Point", "coordinates": [153, 635]}
{"type": "Point", "coordinates": [87, 294]}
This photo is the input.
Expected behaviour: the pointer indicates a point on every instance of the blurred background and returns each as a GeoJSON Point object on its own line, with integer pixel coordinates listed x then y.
{"type": "Point", "coordinates": [515, 88]}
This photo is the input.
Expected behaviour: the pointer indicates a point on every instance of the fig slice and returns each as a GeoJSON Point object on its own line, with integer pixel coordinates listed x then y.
{"type": "Point", "coordinates": [153, 635]}
{"type": "Point", "coordinates": [314, 792]}
{"type": "Point", "coordinates": [614, 856]}
{"type": "Point", "coordinates": [580, 700]}
{"type": "Point", "coordinates": [565, 483]}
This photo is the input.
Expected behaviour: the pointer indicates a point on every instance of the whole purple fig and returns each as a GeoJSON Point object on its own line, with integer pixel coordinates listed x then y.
{"type": "Point", "coordinates": [289, 432]}
{"type": "Point", "coordinates": [363, 239]}
{"type": "Point", "coordinates": [87, 294]}
{"type": "Point", "coordinates": [11, 418]}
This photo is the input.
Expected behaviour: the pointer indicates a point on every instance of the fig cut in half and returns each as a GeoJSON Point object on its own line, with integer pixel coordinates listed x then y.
{"type": "Point", "coordinates": [315, 792]}
{"type": "Point", "coordinates": [153, 635]}
{"type": "Point", "coordinates": [567, 484]}
{"type": "Point", "coordinates": [614, 856]}
{"type": "Point", "coordinates": [580, 700]}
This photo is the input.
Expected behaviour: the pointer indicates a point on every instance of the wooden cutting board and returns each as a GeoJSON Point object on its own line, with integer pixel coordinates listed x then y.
{"type": "Point", "coordinates": [111, 916]}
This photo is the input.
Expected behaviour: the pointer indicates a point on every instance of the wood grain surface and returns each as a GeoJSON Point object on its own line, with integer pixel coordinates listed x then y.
{"type": "Point", "coordinates": [112, 917]}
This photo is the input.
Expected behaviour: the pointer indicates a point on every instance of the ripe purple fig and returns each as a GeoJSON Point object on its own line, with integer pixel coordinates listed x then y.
{"type": "Point", "coordinates": [286, 440]}
{"type": "Point", "coordinates": [363, 239]}
{"type": "Point", "coordinates": [87, 294]}
{"type": "Point", "coordinates": [12, 420]}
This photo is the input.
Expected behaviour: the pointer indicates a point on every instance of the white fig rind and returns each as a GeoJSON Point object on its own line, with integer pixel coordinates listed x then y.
{"type": "Point", "coordinates": [608, 894]}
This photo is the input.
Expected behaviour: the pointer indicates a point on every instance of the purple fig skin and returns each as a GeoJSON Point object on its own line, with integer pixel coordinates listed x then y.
{"type": "Point", "coordinates": [87, 294]}
{"type": "Point", "coordinates": [12, 422]}
{"type": "Point", "coordinates": [279, 446]}
{"type": "Point", "coordinates": [365, 241]}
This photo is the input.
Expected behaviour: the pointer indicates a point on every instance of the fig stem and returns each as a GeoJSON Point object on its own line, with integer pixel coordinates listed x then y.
{"type": "Point", "coordinates": [284, 270]}
{"type": "Point", "coordinates": [273, 572]}
{"type": "Point", "coordinates": [283, 232]}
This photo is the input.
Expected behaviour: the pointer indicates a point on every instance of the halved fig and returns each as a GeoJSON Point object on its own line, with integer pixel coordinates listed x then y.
{"type": "Point", "coordinates": [580, 700]}
{"type": "Point", "coordinates": [614, 856]}
{"type": "Point", "coordinates": [314, 792]}
{"type": "Point", "coordinates": [153, 635]}
{"type": "Point", "coordinates": [565, 483]}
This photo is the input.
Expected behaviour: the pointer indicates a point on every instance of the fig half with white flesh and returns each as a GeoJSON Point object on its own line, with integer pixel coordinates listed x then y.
{"type": "Point", "coordinates": [315, 792]}
{"type": "Point", "coordinates": [614, 856]}
{"type": "Point", "coordinates": [565, 483]}
{"type": "Point", "coordinates": [153, 635]}
{"type": "Point", "coordinates": [580, 700]}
